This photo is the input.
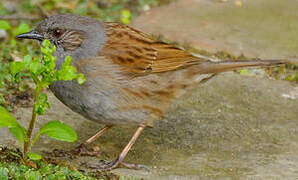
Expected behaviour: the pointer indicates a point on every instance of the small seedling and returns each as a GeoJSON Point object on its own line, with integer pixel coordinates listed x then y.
{"type": "Point", "coordinates": [43, 72]}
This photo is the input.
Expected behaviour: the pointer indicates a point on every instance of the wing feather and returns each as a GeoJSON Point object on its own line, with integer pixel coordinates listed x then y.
{"type": "Point", "coordinates": [138, 53]}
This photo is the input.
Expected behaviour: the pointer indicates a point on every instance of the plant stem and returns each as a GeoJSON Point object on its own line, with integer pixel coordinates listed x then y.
{"type": "Point", "coordinates": [32, 122]}
{"type": "Point", "coordinates": [33, 141]}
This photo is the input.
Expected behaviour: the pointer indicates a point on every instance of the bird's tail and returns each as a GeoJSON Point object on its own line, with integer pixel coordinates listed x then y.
{"type": "Point", "coordinates": [221, 66]}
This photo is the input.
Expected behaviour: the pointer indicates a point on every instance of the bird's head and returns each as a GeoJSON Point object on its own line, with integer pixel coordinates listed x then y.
{"type": "Point", "coordinates": [72, 34]}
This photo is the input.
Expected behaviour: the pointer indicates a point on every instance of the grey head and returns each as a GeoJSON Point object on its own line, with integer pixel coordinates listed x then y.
{"type": "Point", "coordinates": [77, 36]}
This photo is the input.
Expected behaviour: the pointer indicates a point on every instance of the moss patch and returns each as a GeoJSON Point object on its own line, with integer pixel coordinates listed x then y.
{"type": "Point", "coordinates": [12, 167]}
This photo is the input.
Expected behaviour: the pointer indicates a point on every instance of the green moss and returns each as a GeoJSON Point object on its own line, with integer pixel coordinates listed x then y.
{"type": "Point", "coordinates": [11, 167]}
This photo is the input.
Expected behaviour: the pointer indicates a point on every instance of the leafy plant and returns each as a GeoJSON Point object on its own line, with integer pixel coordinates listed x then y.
{"type": "Point", "coordinates": [10, 90]}
{"type": "Point", "coordinates": [48, 169]}
{"type": "Point", "coordinates": [43, 73]}
{"type": "Point", "coordinates": [12, 32]}
{"type": "Point", "coordinates": [14, 170]}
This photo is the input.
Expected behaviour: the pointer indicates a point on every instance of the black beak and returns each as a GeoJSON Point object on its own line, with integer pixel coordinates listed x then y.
{"type": "Point", "coordinates": [31, 35]}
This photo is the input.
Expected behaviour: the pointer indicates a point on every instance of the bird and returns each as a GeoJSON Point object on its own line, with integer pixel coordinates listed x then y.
{"type": "Point", "coordinates": [131, 78]}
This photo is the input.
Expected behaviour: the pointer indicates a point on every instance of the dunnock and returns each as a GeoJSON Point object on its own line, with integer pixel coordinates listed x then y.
{"type": "Point", "coordinates": [131, 78]}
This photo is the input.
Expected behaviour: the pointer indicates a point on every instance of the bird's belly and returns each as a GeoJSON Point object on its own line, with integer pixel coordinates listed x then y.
{"type": "Point", "coordinates": [95, 105]}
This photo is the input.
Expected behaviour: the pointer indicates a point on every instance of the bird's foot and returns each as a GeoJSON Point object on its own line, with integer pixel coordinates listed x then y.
{"type": "Point", "coordinates": [135, 166]}
{"type": "Point", "coordinates": [81, 150]}
{"type": "Point", "coordinates": [103, 165]}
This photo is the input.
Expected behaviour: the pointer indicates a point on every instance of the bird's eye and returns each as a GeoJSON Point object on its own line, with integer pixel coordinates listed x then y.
{"type": "Point", "coordinates": [57, 32]}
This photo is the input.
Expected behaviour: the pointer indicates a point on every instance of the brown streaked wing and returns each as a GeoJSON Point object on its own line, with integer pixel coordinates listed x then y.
{"type": "Point", "coordinates": [140, 54]}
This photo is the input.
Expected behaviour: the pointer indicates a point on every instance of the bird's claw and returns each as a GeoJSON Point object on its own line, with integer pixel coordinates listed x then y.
{"type": "Point", "coordinates": [81, 150]}
{"type": "Point", "coordinates": [136, 166]}
{"type": "Point", "coordinates": [103, 165]}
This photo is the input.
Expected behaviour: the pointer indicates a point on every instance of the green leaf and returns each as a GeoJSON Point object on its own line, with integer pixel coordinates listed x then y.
{"type": "Point", "coordinates": [16, 67]}
{"type": "Point", "coordinates": [16, 154]}
{"type": "Point", "coordinates": [67, 61]}
{"type": "Point", "coordinates": [19, 133]}
{"type": "Point", "coordinates": [12, 43]}
{"type": "Point", "coordinates": [4, 173]}
{"type": "Point", "coordinates": [2, 99]}
{"type": "Point", "coordinates": [42, 104]}
{"type": "Point", "coordinates": [32, 175]}
{"type": "Point", "coordinates": [46, 43]}
{"type": "Point", "coordinates": [81, 78]}
{"type": "Point", "coordinates": [243, 71]}
{"type": "Point", "coordinates": [36, 67]}
{"type": "Point", "coordinates": [6, 119]}
{"type": "Point", "coordinates": [59, 131]}
{"type": "Point", "coordinates": [4, 25]}
{"type": "Point", "coordinates": [22, 28]}
{"type": "Point", "coordinates": [47, 49]}
{"type": "Point", "coordinates": [125, 16]}
{"type": "Point", "coordinates": [67, 72]}
{"type": "Point", "coordinates": [27, 61]}
{"type": "Point", "coordinates": [34, 156]}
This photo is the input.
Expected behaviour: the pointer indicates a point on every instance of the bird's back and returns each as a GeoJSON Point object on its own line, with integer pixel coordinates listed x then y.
{"type": "Point", "coordinates": [134, 78]}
